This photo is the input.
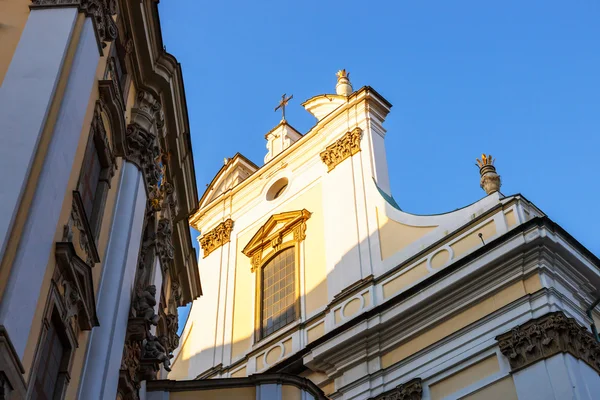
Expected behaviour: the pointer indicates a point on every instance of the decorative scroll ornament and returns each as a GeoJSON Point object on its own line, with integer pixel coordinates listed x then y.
{"type": "Point", "coordinates": [142, 150]}
{"type": "Point", "coordinates": [144, 303]}
{"type": "Point", "coordinates": [171, 338]}
{"type": "Point", "coordinates": [345, 147]}
{"type": "Point", "coordinates": [72, 301]}
{"type": "Point", "coordinates": [546, 336]}
{"type": "Point", "coordinates": [270, 236]}
{"type": "Point", "coordinates": [164, 243]}
{"type": "Point", "coordinates": [216, 237]}
{"type": "Point", "coordinates": [101, 12]}
{"type": "Point", "coordinates": [490, 180]}
{"type": "Point", "coordinates": [411, 390]}
{"type": "Point", "coordinates": [132, 352]}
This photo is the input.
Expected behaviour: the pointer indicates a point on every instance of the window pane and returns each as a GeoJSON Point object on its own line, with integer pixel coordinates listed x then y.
{"type": "Point", "coordinates": [90, 176]}
{"type": "Point", "coordinates": [278, 292]}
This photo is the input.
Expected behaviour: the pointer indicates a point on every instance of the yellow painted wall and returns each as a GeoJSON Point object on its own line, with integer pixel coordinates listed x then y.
{"type": "Point", "coordinates": [315, 331]}
{"type": "Point", "coordinates": [414, 274]}
{"type": "Point", "coordinates": [240, 373]}
{"type": "Point", "coordinates": [13, 16]}
{"type": "Point", "coordinates": [315, 276]}
{"type": "Point", "coordinates": [511, 219]}
{"type": "Point", "coordinates": [395, 236]}
{"type": "Point", "coordinates": [216, 394]}
{"type": "Point", "coordinates": [466, 377]}
{"type": "Point", "coordinates": [181, 364]}
{"type": "Point", "coordinates": [504, 389]}
{"type": "Point", "coordinates": [243, 303]}
{"type": "Point", "coordinates": [458, 321]}
{"type": "Point", "coordinates": [473, 240]}
{"type": "Point", "coordinates": [315, 273]}
{"type": "Point", "coordinates": [289, 392]}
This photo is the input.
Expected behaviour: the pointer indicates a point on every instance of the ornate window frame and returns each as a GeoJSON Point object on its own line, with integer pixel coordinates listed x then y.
{"type": "Point", "coordinates": [280, 232]}
{"type": "Point", "coordinates": [70, 306]}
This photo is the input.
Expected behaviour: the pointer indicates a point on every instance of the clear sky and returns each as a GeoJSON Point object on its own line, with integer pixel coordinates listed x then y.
{"type": "Point", "coordinates": [517, 79]}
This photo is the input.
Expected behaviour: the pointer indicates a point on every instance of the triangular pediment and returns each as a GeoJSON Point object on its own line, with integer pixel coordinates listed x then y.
{"type": "Point", "coordinates": [277, 225]}
{"type": "Point", "coordinates": [235, 171]}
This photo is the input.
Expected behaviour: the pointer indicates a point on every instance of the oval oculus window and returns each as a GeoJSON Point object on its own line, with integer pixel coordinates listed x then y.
{"type": "Point", "coordinates": [277, 189]}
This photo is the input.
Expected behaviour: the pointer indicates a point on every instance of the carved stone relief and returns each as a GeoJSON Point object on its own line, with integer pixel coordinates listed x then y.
{"type": "Point", "coordinates": [411, 390]}
{"type": "Point", "coordinates": [217, 237]}
{"type": "Point", "coordinates": [345, 147]}
{"type": "Point", "coordinates": [144, 303]}
{"type": "Point", "coordinates": [164, 244]}
{"type": "Point", "coordinates": [546, 336]}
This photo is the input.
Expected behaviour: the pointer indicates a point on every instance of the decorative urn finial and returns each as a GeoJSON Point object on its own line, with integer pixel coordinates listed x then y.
{"type": "Point", "coordinates": [490, 180]}
{"type": "Point", "coordinates": [343, 86]}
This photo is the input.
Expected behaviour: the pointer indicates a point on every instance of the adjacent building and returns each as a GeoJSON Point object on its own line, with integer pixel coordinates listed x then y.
{"type": "Point", "coordinates": [98, 183]}
{"type": "Point", "coordinates": [311, 269]}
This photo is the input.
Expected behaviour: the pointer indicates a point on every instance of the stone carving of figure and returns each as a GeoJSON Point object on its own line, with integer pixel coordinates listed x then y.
{"type": "Point", "coordinates": [144, 304]}
{"type": "Point", "coordinates": [153, 349]}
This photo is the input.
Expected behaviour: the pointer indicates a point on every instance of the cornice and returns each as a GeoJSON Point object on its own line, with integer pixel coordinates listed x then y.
{"type": "Point", "coordinates": [492, 274]}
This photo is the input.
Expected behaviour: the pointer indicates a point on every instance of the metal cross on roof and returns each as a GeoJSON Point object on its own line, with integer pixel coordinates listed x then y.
{"type": "Point", "coordinates": [282, 105]}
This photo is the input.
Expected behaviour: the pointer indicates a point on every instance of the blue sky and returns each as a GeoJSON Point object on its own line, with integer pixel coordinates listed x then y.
{"type": "Point", "coordinates": [517, 79]}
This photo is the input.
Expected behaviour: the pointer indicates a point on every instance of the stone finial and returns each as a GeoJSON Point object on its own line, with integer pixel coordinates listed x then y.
{"type": "Point", "coordinates": [343, 86]}
{"type": "Point", "coordinates": [490, 180]}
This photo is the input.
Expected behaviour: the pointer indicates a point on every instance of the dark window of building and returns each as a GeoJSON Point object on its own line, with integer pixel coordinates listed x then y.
{"type": "Point", "coordinates": [50, 363]}
{"type": "Point", "coordinates": [278, 292]}
{"type": "Point", "coordinates": [90, 176]}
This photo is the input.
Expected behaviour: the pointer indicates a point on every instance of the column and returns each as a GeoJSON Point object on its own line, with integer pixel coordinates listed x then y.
{"type": "Point", "coordinates": [105, 347]}
{"type": "Point", "coordinates": [25, 98]}
{"type": "Point", "coordinates": [20, 298]}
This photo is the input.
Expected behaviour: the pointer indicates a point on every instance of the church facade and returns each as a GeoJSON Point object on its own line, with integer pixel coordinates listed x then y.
{"type": "Point", "coordinates": [98, 183]}
{"type": "Point", "coordinates": [312, 270]}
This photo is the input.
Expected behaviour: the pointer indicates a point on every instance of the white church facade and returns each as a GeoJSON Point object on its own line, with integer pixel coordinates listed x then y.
{"type": "Point", "coordinates": [310, 269]}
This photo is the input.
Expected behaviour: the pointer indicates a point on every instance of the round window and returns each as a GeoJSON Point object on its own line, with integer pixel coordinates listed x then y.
{"type": "Point", "coordinates": [277, 189]}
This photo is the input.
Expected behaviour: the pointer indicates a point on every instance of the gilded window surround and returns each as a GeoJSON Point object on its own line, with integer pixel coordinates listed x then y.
{"type": "Point", "coordinates": [266, 244]}
{"type": "Point", "coordinates": [343, 148]}
{"type": "Point", "coordinates": [216, 237]}
{"type": "Point", "coordinates": [269, 237]}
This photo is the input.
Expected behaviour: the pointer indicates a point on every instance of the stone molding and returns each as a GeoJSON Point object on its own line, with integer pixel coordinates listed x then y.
{"type": "Point", "coordinates": [100, 11]}
{"type": "Point", "coordinates": [343, 148]}
{"type": "Point", "coordinates": [411, 390]}
{"type": "Point", "coordinates": [217, 237]}
{"type": "Point", "coordinates": [547, 336]}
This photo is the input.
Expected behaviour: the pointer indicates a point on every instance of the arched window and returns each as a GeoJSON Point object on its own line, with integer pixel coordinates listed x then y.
{"type": "Point", "coordinates": [278, 292]}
